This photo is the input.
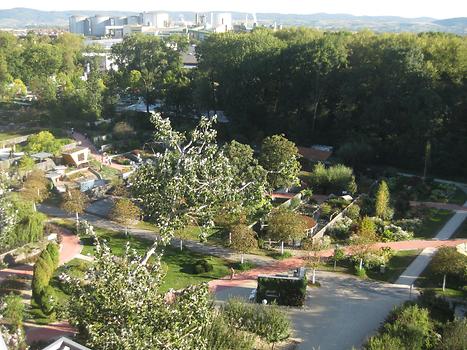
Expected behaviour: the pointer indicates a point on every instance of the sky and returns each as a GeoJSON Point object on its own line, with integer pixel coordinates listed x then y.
{"type": "Point", "coordinates": [404, 8]}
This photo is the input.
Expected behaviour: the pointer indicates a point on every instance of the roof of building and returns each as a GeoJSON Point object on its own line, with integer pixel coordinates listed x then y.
{"type": "Point", "coordinates": [310, 223]}
{"type": "Point", "coordinates": [314, 154]}
{"type": "Point", "coordinates": [76, 150]}
{"type": "Point", "coordinates": [42, 155]}
{"type": "Point", "coordinates": [65, 344]}
{"type": "Point", "coordinates": [2, 343]}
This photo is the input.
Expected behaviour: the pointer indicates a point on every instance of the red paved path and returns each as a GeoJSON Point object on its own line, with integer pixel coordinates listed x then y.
{"type": "Point", "coordinates": [48, 333]}
{"type": "Point", "coordinates": [293, 263]}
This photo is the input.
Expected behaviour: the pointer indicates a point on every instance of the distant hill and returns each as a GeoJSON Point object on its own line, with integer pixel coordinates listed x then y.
{"type": "Point", "coordinates": [25, 17]}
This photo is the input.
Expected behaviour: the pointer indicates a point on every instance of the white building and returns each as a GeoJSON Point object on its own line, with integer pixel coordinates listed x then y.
{"type": "Point", "coordinates": [78, 25]}
{"type": "Point", "coordinates": [98, 24]}
{"type": "Point", "coordinates": [221, 22]}
{"type": "Point", "coordinates": [155, 19]}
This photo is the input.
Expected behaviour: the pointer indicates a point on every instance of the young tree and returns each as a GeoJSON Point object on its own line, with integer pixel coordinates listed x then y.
{"type": "Point", "coordinates": [121, 306]}
{"type": "Point", "coordinates": [243, 239]}
{"type": "Point", "coordinates": [448, 262]}
{"type": "Point", "coordinates": [315, 246]}
{"type": "Point", "coordinates": [44, 141]}
{"type": "Point", "coordinates": [13, 310]}
{"type": "Point", "coordinates": [361, 243]}
{"type": "Point", "coordinates": [284, 225]}
{"type": "Point", "coordinates": [279, 157]}
{"type": "Point", "coordinates": [26, 164]}
{"type": "Point", "coordinates": [382, 208]}
{"type": "Point", "coordinates": [35, 187]}
{"type": "Point", "coordinates": [74, 202]}
{"type": "Point", "coordinates": [125, 212]}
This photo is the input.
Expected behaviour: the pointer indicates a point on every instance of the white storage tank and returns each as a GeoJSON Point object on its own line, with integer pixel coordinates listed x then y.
{"type": "Point", "coordinates": [98, 24]}
{"type": "Point", "coordinates": [222, 22]}
{"type": "Point", "coordinates": [77, 24]}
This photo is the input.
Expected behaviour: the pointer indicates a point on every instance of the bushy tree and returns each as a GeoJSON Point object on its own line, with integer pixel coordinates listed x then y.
{"type": "Point", "coordinates": [333, 179]}
{"type": "Point", "coordinates": [125, 212]}
{"type": "Point", "coordinates": [120, 306]}
{"type": "Point", "coordinates": [279, 157]}
{"type": "Point", "coordinates": [449, 263]}
{"type": "Point", "coordinates": [190, 181]}
{"type": "Point", "coordinates": [243, 239]}
{"type": "Point", "coordinates": [44, 141]}
{"type": "Point", "coordinates": [74, 202]}
{"type": "Point", "coordinates": [35, 187]}
{"type": "Point", "coordinates": [284, 225]}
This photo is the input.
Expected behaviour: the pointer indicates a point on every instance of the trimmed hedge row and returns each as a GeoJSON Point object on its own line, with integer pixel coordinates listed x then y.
{"type": "Point", "coordinates": [44, 269]}
{"type": "Point", "coordinates": [289, 292]}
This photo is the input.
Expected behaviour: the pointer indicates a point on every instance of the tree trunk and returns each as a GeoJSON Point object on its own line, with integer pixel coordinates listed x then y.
{"type": "Point", "coordinates": [361, 264]}
{"type": "Point", "coordinates": [181, 244]}
{"type": "Point", "coordinates": [282, 248]}
{"type": "Point", "coordinates": [444, 283]}
{"type": "Point", "coordinates": [241, 258]}
{"type": "Point", "coordinates": [313, 277]}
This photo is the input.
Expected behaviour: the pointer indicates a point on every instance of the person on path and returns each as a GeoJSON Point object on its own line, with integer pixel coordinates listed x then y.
{"type": "Point", "coordinates": [232, 273]}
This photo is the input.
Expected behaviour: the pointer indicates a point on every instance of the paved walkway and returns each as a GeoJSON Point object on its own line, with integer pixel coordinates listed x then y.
{"type": "Point", "coordinates": [196, 247]}
{"type": "Point", "coordinates": [413, 271]}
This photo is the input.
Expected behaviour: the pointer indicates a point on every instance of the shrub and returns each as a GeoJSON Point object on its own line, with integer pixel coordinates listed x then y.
{"type": "Point", "coordinates": [13, 310]}
{"type": "Point", "coordinates": [360, 272]}
{"type": "Point", "coordinates": [48, 300]}
{"type": "Point", "coordinates": [326, 210]}
{"type": "Point", "coordinates": [353, 212]}
{"type": "Point", "coordinates": [279, 256]}
{"type": "Point", "coordinates": [266, 321]}
{"type": "Point", "coordinates": [44, 269]}
{"type": "Point", "coordinates": [221, 336]}
{"type": "Point", "coordinates": [201, 266]}
{"type": "Point", "coordinates": [454, 335]}
{"type": "Point", "coordinates": [341, 229]}
{"type": "Point", "coordinates": [288, 292]}
{"type": "Point", "coordinates": [335, 179]}
{"type": "Point", "coordinates": [243, 266]}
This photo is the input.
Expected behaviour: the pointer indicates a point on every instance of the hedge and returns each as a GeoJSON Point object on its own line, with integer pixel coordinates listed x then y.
{"type": "Point", "coordinates": [44, 269]}
{"type": "Point", "coordinates": [289, 292]}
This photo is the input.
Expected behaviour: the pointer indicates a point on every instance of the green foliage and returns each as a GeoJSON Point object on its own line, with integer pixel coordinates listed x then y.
{"type": "Point", "coordinates": [345, 89]}
{"type": "Point", "coordinates": [448, 261]}
{"type": "Point", "coordinates": [279, 157]}
{"type": "Point", "coordinates": [44, 269]}
{"type": "Point", "coordinates": [201, 266]}
{"type": "Point", "coordinates": [125, 212]}
{"type": "Point", "coordinates": [288, 292]}
{"type": "Point", "coordinates": [13, 311]}
{"type": "Point", "coordinates": [243, 238]}
{"type": "Point", "coordinates": [353, 212]}
{"type": "Point", "coordinates": [74, 201]}
{"type": "Point", "coordinates": [334, 179]}
{"type": "Point", "coordinates": [454, 335]}
{"type": "Point", "coordinates": [361, 272]}
{"type": "Point", "coordinates": [285, 225]}
{"type": "Point", "coordinates": [266, 321]}
{"type": "Point", "coordinates": [221, 336]}
{"type": "Point", "coordinates": [43, 141]}
{"type": "Point", "coordinates": [367, 229]}
{"type": "Point", "coordinates": [382, 208]}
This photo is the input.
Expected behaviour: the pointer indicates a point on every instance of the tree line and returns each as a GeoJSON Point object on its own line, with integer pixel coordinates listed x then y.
{"type": "Point", "coordinates": [378, 98]}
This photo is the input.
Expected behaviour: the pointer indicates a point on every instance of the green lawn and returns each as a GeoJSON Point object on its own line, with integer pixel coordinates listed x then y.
{"type": "Point", "coordinates": [461, 231]}
{"type": "Point", "coordinates": [395, 266]}
{"type": "Point", "coordinates": [459, 198]}
{"type": "Point", "coordinates": [432, 221]}
{"type": "Point", "coordinates": [175, 261]}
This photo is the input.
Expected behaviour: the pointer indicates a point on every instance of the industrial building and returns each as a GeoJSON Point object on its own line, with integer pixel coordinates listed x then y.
{"type": "Point", "coordinates": [152, 23]}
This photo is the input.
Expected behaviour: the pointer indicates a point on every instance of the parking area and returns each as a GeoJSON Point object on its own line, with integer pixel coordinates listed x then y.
{"type": "Point", "coordinates": [338, 315]}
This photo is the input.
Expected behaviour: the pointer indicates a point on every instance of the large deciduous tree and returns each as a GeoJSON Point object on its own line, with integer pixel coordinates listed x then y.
{"type": "Point", "coordinates": [191, 179]}
{"type": "Point", "coordinates": [120, 306]}
{"type": "Point", "coordinates": [279, 157]}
